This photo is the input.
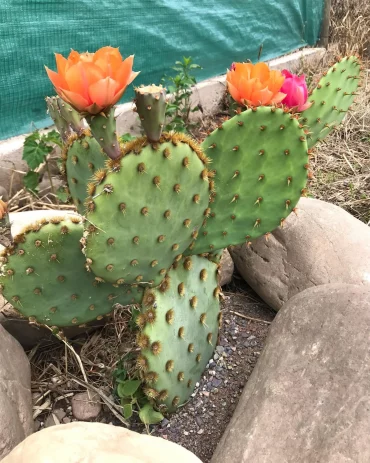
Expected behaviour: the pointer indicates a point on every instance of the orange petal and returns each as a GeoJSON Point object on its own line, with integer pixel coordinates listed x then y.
{"type": "Point", "coordinates": [244, 69]}
{"type": "Point", "coordinates": [278, 98]}
{"type": "Point", "coordinates": [74, 99]}
{"type": "Point", "coordinates": [73, 57]}
{"type": "Point", "coordinates": [132, 77]}
{"type": "Point", "coordinates": [261, 71]}
{"type": "Point", "coordinates": [109, 60]}
{"type": "Point", "coordinates": [124, 71]}
{"type": "Point", "coordinates": [80, 76]}
{"type": "Point", "coordinates": [61, 63]}
{"type": "Point", "coordinates": [104, 51]}
{"type": "Point", "coordinates": [234, 92]}
{"type": "Point", "coordinates": [103, 92]}
{"type": "Point", "coordinates": [276, 81]}
{"type": "Point", "coordinates": [77, 80]}
{"type": "Point", "coordinates": [246, 88]}
{"type": "Point", "coordinates": [262, 97]}
{"type": "Point", "coordinates": [57, 80]}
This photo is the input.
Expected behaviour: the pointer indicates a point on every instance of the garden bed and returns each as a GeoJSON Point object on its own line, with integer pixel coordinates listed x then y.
{"type": "Point", "coordinates": [341, 175]}
{"type": "Point", "coordinates": [199, 424]}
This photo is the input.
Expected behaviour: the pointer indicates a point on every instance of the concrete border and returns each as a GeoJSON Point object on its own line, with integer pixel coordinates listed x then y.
{"type": "Point", "coordinates": [208, 94]}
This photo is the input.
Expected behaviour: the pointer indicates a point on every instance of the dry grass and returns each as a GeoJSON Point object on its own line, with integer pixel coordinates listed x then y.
{"type": "Point", "coordinates": [88, 363]}
{"type": "Point", "coordinates": [341, 164]}
{"type": "Point", "coordinates": [350, 26]}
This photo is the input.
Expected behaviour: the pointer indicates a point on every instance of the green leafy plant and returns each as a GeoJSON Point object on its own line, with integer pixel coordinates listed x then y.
{"type": "Point", "coordinates": [180, 85]}
{"type": "Point", "coordinates": [132, 398]}
{"type": "Point", "coordinates": [36, 149]}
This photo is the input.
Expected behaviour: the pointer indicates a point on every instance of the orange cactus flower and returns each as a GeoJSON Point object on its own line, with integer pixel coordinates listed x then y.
{"type": "Point", "coordinates": [255, 84]}
{"type": "Point", "coordinates": [92, 82]}
{"type": "Point", "coordinates": [3, 209]}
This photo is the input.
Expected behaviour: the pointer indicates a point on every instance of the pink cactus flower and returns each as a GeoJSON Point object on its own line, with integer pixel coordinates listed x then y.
{"type": "Point", "coordinates": [296, 91]}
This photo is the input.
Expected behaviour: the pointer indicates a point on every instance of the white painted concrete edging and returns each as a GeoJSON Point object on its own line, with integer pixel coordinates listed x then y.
{"type": "Point", "coordinates": [208, 94]}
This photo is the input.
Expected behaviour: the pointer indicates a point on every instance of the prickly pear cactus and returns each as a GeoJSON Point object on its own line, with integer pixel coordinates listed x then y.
{"type": "Point", "coordinates": [146, 209]}
{"type": "Point", "coordinates": [332, 98]}
{"type": "Point", "coordinates": [82, 157]}
{"type": "Point", "coordinates": [178, 331]}
{"type": "Point", "coordinates": [44, 277]}
{"type": "Point", "coordinates": [261, 161]}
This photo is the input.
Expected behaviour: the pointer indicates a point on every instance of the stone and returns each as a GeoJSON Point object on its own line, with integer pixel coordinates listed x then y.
{"type": "Point", "coordinates": [60, 413]}
{"type": "Point", "coordinates": [308, 398]}
{"type": "Point", "coordinates": [16, 422]}
{"type": "Point", "coordinates": [226, 268]}
{"type": "Point", "coordinates": [85, 407]}
{"type": "Point", "coordinates": [323, 244]}
{"type": "Point", "coordinates": [51, 420]}
{"type": "Point", "coordinates": [29, 335]}
{"type": "Point", "coordinates": [97, 443]}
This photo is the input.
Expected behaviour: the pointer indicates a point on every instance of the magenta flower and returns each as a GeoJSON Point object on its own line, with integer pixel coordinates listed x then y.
{"type": "Point", "coordinates": [296, 91]}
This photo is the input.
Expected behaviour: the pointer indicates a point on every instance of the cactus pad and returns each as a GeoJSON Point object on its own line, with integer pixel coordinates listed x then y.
{"type": "Point", "coordinates": [82, 158]}
{"type": "Point", "coordinates": [261, 161]}
{"type": "Point", "coordinates": [146, 209]}
{"type": "Point", "coordinates": [332, 98]}
{"type": "Point", "coordinates": [44, 277]}
{"type": "Point", "coordinates": [179, 327]}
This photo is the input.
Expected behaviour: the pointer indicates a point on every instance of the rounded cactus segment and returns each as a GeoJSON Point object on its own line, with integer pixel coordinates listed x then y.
{"type": "Point", "coordinates": [332, 98]}
{"type": "Point", "coordinates": [260, 160]}
{"type": "Point", "coordinates": [151, 107]}
{"type": "Point", "coordinates": [82, 157]}
{"type": "Point", "coordinates": [182, 338]}
{"type": "Point", "coordinates": [136, 226]}
{"type": "Point", "coordinates": [44, 277]}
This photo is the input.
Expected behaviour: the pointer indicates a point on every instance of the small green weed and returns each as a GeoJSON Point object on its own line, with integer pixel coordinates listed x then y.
{"type": "Point", "coordinates": [180, 85]}
{"type": "Point", "coordinates": [36, 149]}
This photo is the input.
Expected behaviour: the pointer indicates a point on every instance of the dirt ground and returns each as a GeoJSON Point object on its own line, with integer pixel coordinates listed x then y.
{"type": "Point", "coordinates": [199, 425]}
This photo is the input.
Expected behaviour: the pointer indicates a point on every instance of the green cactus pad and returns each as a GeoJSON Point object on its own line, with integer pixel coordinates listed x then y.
{"type": "Point", "coordinates": [151, 108]}
{"type": "Point", "coordinates": [179, 323]}
{"type": "Point", "coordinates": [44, 277]}
{"type": "Point", "coordinates": [261, 161]}
{"type": "Point", "coordinates": [146, 210]}
{"type": "Point", "coordinates": [331, 99]}
{"type": "Point", "coordinates": [82, 158]}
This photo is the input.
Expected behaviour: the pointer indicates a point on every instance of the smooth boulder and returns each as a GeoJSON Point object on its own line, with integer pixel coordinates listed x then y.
{"type": "Point", "coordinates": [226, 268]}
{"type": "Point", "coordinates": [322, 244]}
{"type": "Point", "coordinates": [16, 422]}
{"type": "Point", "coordinates": [308, 399]}
{"type": "Point", "coordinates": [97, 443]}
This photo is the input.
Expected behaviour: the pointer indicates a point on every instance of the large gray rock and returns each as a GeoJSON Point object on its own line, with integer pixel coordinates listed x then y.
{"type": "Point", "coordinates": [226, 268]}
{"type": "Point", "coordinates": [97, 443]}
{"type": "Point", "coordinates": [16, 421]}
{"type": "Point", "coordinates": [324, 244]}
{"type": "Point", "coordinates": [308, 399]}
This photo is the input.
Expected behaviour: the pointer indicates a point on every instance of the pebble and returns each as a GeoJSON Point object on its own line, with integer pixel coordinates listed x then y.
{"type": "Point", "coordinates": [205, 393]}
{"type": "Point", "coordinates": [199, 421]}
{"type": "Point", "coordinates": [164, 422]}
{"type": "Point", "coordinates": [201, 431]}
{"type": "Point", "coordinates": [186, 433]}
{"type": "Point", "coordinates": [216, 382]}
{"type": "Point", "coordinates": [60, 413]}
{"type": "Point", "coordinates": [66, 420]}
{"type": "Point", "coordinates": [219, 349]}
{"type": "Point", "coordinates": [216, 357]}
{"type": "Point", "coordinates": [251, 337]}
{"type": "Point", "coordinates": [50, 421]}
{"type": "Point", "coordinates": [85, 408]}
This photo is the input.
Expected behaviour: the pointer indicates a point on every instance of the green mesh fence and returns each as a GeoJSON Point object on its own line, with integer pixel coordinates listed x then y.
{"type": "Point", "coordinates": [158, 32]}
